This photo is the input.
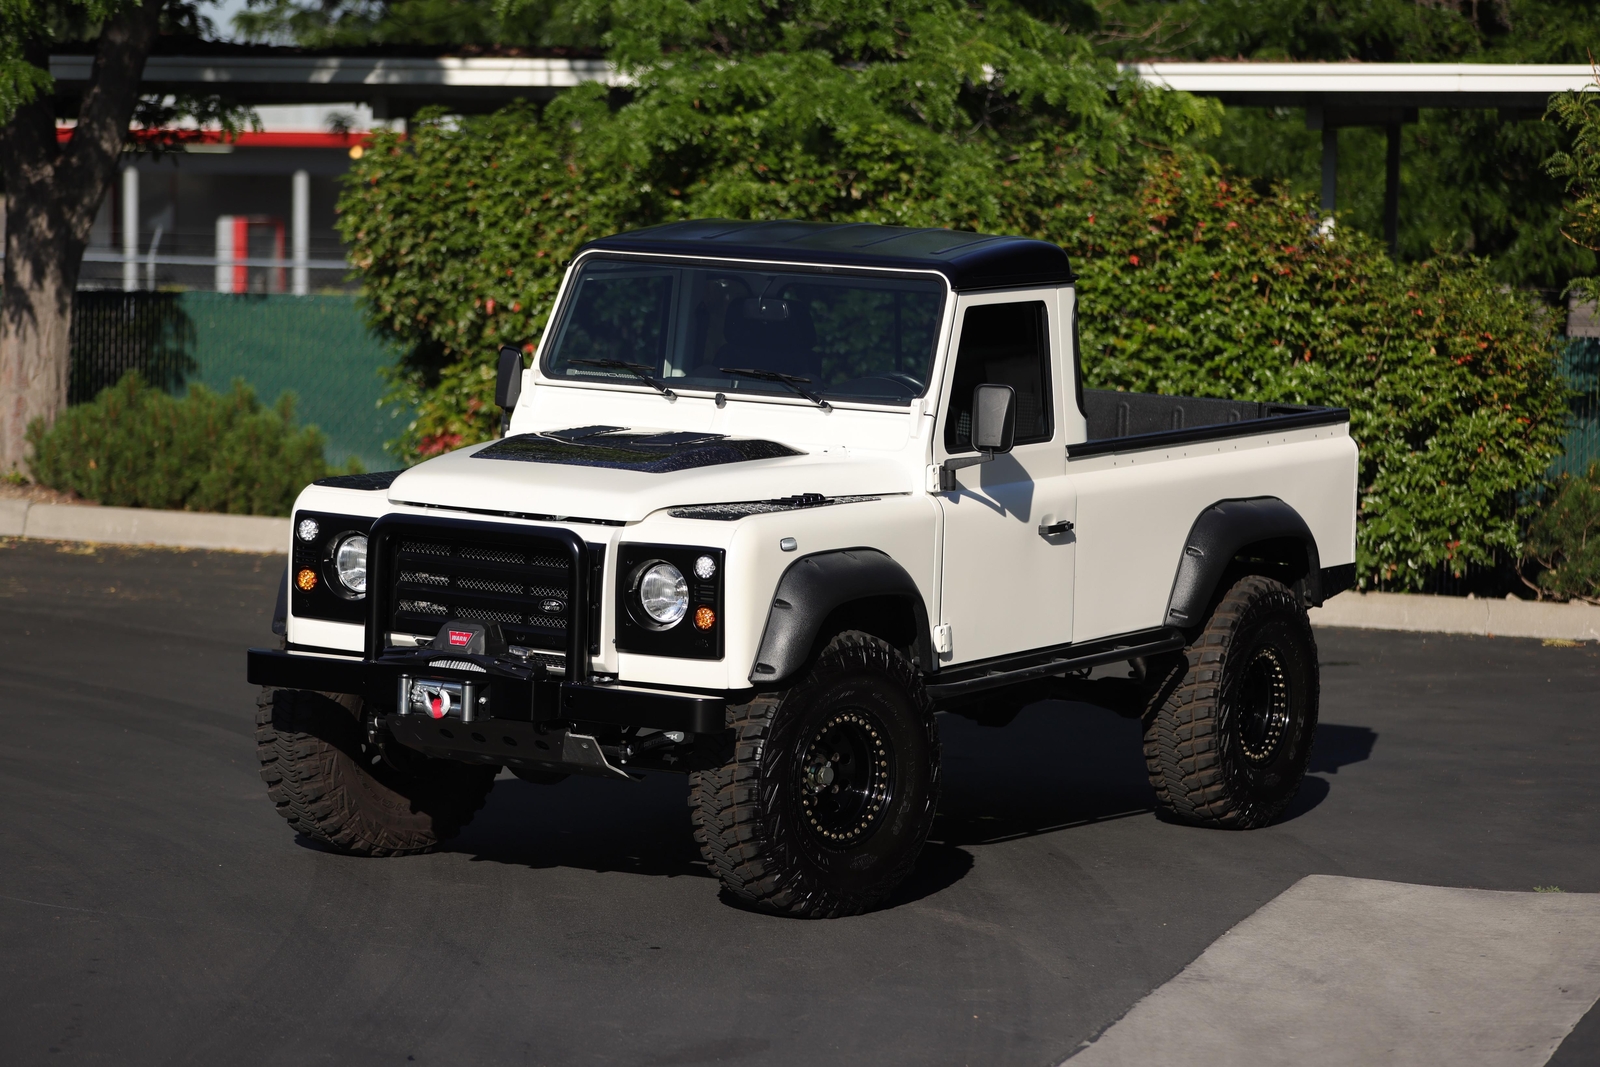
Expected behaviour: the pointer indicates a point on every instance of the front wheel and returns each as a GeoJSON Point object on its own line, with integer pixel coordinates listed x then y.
{"type": "Point", "coordinates": [831, 789]}
{"type": "Point", "coordinates": [337, 788]}
{"type": "Point", "coordinates": [1228, 736]}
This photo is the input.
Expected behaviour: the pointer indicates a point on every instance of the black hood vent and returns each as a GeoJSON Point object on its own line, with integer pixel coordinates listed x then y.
{"type": "Point", "coordinates": [623, 449]}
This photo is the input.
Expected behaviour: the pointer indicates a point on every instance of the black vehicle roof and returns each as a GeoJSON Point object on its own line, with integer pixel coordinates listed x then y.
{"type": "Point", "coordinates": [968, 260]}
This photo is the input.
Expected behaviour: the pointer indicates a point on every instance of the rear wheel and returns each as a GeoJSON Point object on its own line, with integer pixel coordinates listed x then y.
{"type": "Point", "coordinates": [831, 789]}
{"type": "Point", "coordinates": [1228, 734]}
{"type": "Point", "coordinates": [335, 787]}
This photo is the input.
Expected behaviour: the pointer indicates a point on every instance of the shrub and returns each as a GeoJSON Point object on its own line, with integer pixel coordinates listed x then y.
{"type": "Point", "coordinates": [1196, 286]}
{"type": "Point", "coordinates": [136, 446]}
{"type": "Point", "coordinates": [1564, 540]}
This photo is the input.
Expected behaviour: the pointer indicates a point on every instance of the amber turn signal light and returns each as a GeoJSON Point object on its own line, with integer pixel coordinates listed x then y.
{"type": "Point", "coordinates": [306, 580]}
{"type": "Point", "coordinates": [704, 618]}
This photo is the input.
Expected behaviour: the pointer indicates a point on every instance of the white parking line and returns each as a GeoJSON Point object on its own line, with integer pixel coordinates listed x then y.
{"type": "Point", "coordinates": [1339, 971]}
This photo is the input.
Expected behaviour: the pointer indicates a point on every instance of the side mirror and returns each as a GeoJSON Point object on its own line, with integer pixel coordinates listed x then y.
{"type": "Point", "coordinates": [508, 385]}
{"type": "Point", "coordinates": [994, 429]}
{"type": "Point", "coordinates": [994, 418]}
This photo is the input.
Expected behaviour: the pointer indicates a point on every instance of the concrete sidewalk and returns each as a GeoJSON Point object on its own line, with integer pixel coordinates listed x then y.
{"type": "Point", "coordinates": [143, 526]}
{"type": "Point", "coordinates": [1349, 972]}
{"type": "Point", "coordinates": [1460, 615]}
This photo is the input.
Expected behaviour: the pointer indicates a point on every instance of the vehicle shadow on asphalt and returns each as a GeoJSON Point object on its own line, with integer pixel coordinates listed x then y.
{"type": "Point", "coordinates": [1339, 746]}
{"type": "Point", "coordinates": [587, 823]}
{"type": "Point", "coordinates": [1336, 746]}
{"type": "Point", "coordinates": [1058, 767]}
{"type": "Point", "coordinates": [1064, 765]}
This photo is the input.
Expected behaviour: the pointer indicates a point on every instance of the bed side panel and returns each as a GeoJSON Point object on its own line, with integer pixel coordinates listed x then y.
{"type": "Point", "coordinates": [1135, 509]}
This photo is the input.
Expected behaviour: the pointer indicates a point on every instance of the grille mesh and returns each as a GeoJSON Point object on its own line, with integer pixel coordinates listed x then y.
{"type": "Point", "coordinates": [509, 584]}
{"type": "Point", "coordinates": [487, 585]}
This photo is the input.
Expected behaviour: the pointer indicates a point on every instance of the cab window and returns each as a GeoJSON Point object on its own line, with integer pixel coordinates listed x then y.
{"type": "Point", "coordinates": [1003, 344]}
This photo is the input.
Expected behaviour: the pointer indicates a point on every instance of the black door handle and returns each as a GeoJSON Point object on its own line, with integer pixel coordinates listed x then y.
{"type": "Point", "coordinates": [1051, 529]}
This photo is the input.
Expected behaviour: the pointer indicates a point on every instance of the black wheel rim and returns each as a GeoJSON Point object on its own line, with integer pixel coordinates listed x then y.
{"type": "Point", "coordinates": [846, 778]}
{"type": "Point", "coordinates": [1262, 705]}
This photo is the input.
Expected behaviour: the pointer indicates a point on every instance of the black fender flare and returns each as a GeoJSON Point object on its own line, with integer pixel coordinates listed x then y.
{"type": "Point", "coordinates": [812, 587]}
{"type": "Point", "coordinates": [280, 608]}
{"type": "Point", "coordinates": [1217, 535]}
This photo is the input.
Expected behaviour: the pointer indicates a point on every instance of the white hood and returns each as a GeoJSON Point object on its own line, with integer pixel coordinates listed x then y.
{"type": "Point", "coordinates": [461, 480]}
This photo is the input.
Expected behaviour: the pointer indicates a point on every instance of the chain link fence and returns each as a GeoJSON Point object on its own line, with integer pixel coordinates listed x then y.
{"type": "Point", "coordinates": [113, 333]}
{"type": "Point", "coordinates": [316, 347]}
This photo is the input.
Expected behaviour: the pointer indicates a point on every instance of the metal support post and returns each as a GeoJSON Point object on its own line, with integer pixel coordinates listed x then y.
{"type": "Point", "coordinates": [301, 227]}
{"type": "Point", "coordinates": [1330, 169]}
{"type": "Point", "coordinates": [225, 253]}
{"type": "Point", "coordinates": [130, 228]}
{"type": "Point", "coordinates": [1391, 191]}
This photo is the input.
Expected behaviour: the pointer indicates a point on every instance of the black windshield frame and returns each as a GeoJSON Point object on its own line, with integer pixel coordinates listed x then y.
{"type": "Point", "coordinates": [665, 332]}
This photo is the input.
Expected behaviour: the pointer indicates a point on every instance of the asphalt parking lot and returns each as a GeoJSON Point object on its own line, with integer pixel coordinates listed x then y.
{"type": "Point", "coordinates": [154, 909]}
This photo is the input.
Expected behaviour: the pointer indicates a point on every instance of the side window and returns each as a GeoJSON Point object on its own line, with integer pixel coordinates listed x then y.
{"type": "Point", "coordinates": [1002, 344]}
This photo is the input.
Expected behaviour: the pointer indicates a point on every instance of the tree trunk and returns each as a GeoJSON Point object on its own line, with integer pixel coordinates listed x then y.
{"type": "Point", "coordinates": [52, 194]}
{"type": "Point", "coordinates": [41, 273]}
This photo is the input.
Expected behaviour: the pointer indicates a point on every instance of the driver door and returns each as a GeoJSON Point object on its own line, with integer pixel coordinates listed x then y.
{"type": "Point", "coordinates": [1006, 586]}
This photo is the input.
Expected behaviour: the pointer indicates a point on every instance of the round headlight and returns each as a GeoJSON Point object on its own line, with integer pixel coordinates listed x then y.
{"type": "Point", "coordinates": [350, 563]}
{"type": "Point", "coordinates": [663, 594]}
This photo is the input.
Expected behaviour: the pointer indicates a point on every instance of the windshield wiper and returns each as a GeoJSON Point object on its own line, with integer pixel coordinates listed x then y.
{"type": "Point", "coordinates": [793, 381]}
{"type": "Point", "coordinates": [638, 370]}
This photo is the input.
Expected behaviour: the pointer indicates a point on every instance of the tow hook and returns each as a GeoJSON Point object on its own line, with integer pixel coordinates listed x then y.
{"type": "Point", "coordinates": [635, 749]}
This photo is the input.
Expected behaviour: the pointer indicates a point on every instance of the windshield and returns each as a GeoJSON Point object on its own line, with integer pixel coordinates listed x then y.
{"type": "Point", "coordinates": [836, 335]}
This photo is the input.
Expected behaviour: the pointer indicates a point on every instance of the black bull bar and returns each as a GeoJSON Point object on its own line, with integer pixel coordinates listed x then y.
{"type": "Point", "coordinates": [515, 694]}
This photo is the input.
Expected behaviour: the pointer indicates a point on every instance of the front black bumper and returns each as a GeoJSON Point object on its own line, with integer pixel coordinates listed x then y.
{"type": "Point", "coordinates": [516, 694]}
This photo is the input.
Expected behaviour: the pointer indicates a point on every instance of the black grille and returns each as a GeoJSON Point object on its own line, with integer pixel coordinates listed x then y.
{"type": "Point", "coordinates": [440, 574]}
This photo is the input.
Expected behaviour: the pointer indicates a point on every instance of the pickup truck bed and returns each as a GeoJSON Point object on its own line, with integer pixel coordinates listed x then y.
{"type": "Point", "coordinates": [1118, 420]}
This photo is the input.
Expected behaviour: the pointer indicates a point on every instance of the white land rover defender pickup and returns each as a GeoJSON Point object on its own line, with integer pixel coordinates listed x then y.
{"type": "Point", "coordinates": [769, 497]}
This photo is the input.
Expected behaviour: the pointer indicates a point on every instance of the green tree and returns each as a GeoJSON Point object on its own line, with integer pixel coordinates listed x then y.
{"type": "Point", "coordinates": [347, 23]}
{"type": "Point", "coordinates": [919, 112]}
{"type": "Point", "coordinates": [1579, 171]}
{"type": "Point", "coordinates": [53, 188]}
{"type": "Point", "coordinates": [1374, 31]}
{"type": "Point", "coordinates": [1472, 181]}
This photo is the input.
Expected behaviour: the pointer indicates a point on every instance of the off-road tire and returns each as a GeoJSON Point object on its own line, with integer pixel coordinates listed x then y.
{"type": "Point", "coordinates": [1229, 729]}
{"type": "Point", "coordinates": [755, 817]}
{"type": "Point", "coordinates": [339, 790]}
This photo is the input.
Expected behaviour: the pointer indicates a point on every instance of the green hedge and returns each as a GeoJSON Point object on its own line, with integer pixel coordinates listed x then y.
{"type": "Point", "coordinates": [136, 446]}
{"type": "Point", "coordinates": [1193, 285]}
{"type": "Point", "coordinates": [1564, 539]}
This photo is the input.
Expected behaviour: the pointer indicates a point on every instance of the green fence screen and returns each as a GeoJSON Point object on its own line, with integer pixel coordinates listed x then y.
{"type": "Point", "coordinates": [316, 347]}
{"type": "Point", "coordinates": [1581, 362]}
